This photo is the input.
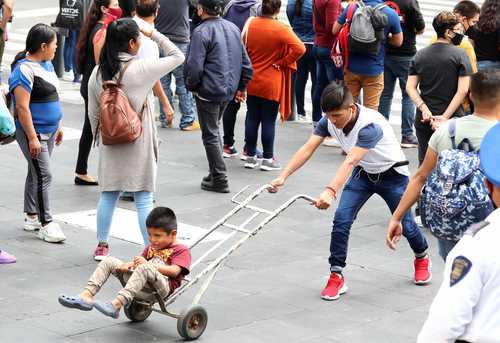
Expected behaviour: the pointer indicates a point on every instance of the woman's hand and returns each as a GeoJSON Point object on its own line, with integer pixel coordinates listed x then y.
{"type": "Point", "coordinates": [59, 136]}
{"type": "Point", "coordinates": [325, 200]}
{"type": "Point", "coordinates": [35, 147]}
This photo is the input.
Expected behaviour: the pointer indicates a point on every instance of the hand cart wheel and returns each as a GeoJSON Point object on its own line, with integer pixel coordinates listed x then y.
{"type": "Point", "coordinates": [192, 323]}
{"type": "Point", "coordinates": [138, 311]}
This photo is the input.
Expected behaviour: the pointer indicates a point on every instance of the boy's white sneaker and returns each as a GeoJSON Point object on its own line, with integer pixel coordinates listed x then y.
{"type": "Point", "coordinates": [51, 233]}
{"type": "Point", "coordinates": [31, 223]}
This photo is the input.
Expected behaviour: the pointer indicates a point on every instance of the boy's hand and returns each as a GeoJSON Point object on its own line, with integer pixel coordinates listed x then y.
{"type": "Point", "coordinates": [127, 266]}
{"type": "Point", "coordinates": [325, 200]}
{"type": "Point", "coordinates": [138, 260]}
{"type": "Point", "coordinates": [278, 182]}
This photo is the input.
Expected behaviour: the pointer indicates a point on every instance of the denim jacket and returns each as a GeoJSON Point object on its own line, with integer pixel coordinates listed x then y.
{"type": "Point", "coordinates": [303, 25]}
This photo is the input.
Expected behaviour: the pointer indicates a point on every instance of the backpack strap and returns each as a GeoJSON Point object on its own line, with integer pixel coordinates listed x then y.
{"type": "Point", "coordinates": [350, 12]}
{"type": "Point", "coordinates": [452, 128]}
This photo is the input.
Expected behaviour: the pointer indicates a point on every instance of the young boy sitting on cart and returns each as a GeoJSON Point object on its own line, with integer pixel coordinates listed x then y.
{"type": "Point", "coordinates": [163, 265]}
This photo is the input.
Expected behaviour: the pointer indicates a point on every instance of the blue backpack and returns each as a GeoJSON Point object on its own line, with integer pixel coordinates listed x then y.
{"type": "Point", "coordinates": [455, 195]}
{"type": "Point", "coordinates": [7, 125]}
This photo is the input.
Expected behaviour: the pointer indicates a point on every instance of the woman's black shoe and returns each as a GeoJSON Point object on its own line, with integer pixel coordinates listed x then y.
{"type": "Point", "coordinates": [81, 182]}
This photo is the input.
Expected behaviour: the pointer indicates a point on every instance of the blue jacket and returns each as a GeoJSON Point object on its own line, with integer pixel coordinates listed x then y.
{"type": "Point", "coordinates": [238, 11]}
{"type": "Point", "coordinates": [302, 25]}
{"type": "Point", "coordinates": [217, 64]}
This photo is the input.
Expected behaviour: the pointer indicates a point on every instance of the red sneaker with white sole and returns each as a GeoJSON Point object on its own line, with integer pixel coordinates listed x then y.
{"type": "Point", "coordinates": [423, 273]}
{"type": "Point", "coordinates": [334, 287]}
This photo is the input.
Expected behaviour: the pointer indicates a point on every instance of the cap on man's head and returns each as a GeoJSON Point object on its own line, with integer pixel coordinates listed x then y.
{"type": "Point", "coordinates": [214, 7]}
{"type": "Point", "coordinates": [489, 154]}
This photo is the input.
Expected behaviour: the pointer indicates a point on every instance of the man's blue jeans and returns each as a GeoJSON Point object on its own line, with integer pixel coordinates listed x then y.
{"type": "Point", "coordinates": [326, 72]}
{"type": "Point", "coordinates": [390, 186]}
{"type": "Point", "coordinates": [69, 53]}
{"type": "Point", "coordinates": [485, 65]}
{"type": "Point", "coordinates": [396, 68]}
{"type": "Point", "coordinates": [186, 100]}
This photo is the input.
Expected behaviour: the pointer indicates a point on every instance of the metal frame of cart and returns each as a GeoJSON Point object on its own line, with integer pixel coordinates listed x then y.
{"type": "Point", "coordinates": [191, 323]}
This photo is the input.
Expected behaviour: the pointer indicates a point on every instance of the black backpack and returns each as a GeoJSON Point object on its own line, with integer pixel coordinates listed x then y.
{"type": "Point", "coordinates": [71, 14]}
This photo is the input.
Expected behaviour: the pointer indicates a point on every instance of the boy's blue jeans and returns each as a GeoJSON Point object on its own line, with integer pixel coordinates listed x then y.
{"type": "Point", "coordinates": [106, 208]}
{"type": "Point", "coordinates": [390, 185]}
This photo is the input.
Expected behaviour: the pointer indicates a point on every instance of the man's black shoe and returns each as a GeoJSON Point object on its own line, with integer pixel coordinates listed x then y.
{"type": "Point", "coordinates": [215, 186]}
{"type": "Point", "coordinates": [207, 178]}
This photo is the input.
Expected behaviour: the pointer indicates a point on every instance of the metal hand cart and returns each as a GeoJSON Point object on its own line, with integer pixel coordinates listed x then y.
{"type": "Point", "coordinates": [191, 323]}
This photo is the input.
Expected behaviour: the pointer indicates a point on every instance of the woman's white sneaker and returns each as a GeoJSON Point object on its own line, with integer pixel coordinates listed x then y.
{"type": "Point", "coordinates": [51, 233]}
{"type": "Point", "coordinates": [31, 223]}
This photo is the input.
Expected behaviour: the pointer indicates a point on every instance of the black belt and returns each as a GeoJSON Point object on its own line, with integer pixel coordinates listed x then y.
{"type": "Point", "coordinates": [395, 165]}
{"type": "Point", "coordinates": [461, 341]}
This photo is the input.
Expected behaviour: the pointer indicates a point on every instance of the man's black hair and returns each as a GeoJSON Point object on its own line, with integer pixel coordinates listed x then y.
{"type": "Point", "coordinates": [335, 96]}
{"type": "Point", "coordinates": [162, 218]}
{"type": "Point", "coordinates": [146, 8]}
{"type": "Point", "coordinates": [485, 87]}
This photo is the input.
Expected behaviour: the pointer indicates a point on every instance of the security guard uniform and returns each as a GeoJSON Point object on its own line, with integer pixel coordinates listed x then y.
{"type": "Point", "coordinates": [467, 306]}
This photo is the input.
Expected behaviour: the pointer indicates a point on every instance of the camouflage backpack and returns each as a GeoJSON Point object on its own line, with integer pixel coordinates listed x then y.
{"type": "Point", "coordinates": [455, 195]}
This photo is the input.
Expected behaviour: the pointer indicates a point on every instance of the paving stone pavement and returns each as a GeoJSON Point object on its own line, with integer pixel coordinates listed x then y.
{"type": "Point", "coordinates": [268, 290]}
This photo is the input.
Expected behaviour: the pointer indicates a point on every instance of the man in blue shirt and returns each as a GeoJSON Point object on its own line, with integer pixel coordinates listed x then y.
{"type": "Point", "coordinates": [366, 71]}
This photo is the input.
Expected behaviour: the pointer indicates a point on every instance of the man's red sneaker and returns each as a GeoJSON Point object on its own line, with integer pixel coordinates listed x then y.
{"type": "Point", "coordinates": [334, 287]}
{"type": "Point", "coordinates": [423, 273]}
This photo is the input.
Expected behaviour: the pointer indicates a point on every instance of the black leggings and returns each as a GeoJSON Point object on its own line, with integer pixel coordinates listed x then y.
{"type": "Point", "coordinates": [85, 143]}
{"type": "Point", "coordinates": [229, 121]}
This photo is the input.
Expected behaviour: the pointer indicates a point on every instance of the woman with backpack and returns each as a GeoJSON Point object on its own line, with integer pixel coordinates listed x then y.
{"type": "Point", "coordinates": [100, 14]}
{"type": "Point", "coordinates": [300, 16]}
{"type": "Point", "coordinates": [128, 166]}
{"type": "Point", "coordinates": [33, 85]}
{"type": "Point", "coordinates": [469, 130]}
{"type": "Point", "coordinates": [486, 36]}
{"type": "Point", "coordinates": [273, 49]}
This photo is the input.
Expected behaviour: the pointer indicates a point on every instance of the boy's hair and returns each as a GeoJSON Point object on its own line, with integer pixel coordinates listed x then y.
{"type": "Point", "coordinates": [485, 87]}
{"type": "Point", "coordinates": [335, 96]}
{"type": "Point", "coordinates": [467, 9]}
{"type": "Point", "coordinates": [146, 8]}
{"type": "Point", "coordinates": [162, 218]}
{"type": "Point", "coordinates": [444, 21]}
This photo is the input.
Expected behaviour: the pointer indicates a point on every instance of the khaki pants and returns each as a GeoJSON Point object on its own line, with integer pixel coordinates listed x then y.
{"type": "Point", "coordinates": [372, 88]}
{"type": "Point", "coordinates": [136, 280]}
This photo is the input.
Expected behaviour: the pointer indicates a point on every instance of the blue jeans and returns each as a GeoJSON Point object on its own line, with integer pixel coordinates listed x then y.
{"type": "Point", "coordinates": [326, 72]}
{"type": "Point", "coordinates": [445, 247]}
{"type": "Point", "coordinates": [390, 186]}
{"type": "Point", "coordinates": [106, 208]}
{"type": "Point", "coordinates": [305, 65]}
{"type": "Point", "coordinates": [260, 112]}
{"type": "Point", "coordinates": [186, 100]}
{"type": "Point", "coordinates": [484, 65]}
{"type": "Point", "coordinates": [70, 51]}
{"type": "Point", "coordinates": [396, 68]}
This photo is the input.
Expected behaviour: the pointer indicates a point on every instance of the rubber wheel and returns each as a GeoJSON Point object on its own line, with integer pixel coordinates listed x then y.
{"type": "Point", "coordinates": [138, 312]}
{"type": "Point", "coordinates": [192, 323]}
